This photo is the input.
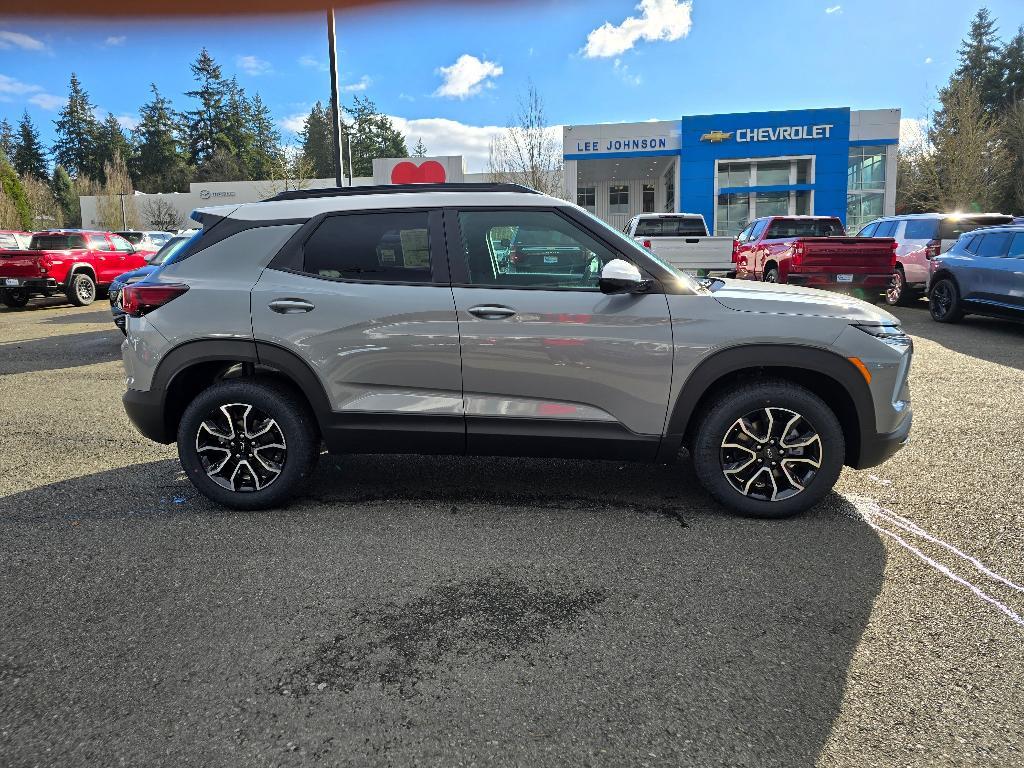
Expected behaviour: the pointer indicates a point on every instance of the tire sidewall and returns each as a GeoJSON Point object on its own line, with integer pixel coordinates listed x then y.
{"type": "Point", "coordinates": [278, 402]}
{"type": "Point", "coordinates": [954, 313]}
{"type": "Point", "coordinates": [73, 295]}
{"type": "Point", "coordinates": [771, 271]}
{"type": "Point", "coordinates": [738, 402]}
{"type": "Point", "coordinates": [901, 297]}
{"type": "Point", "coordinates": [15, 299]}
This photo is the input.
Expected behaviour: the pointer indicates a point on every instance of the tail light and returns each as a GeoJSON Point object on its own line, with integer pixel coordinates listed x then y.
{"type": "Point", "coordinates": [735, 251]}
{"type": "Point", "coordinates": [647, 244]}
{"type": "Point", "coordinates": [138, 300]}
{"type": "Point", "coordinates": [892, 261]}
{"type": "Point", "coordinates": [798, 255]}
{"type": "Point", "coordinates": [933, 249]}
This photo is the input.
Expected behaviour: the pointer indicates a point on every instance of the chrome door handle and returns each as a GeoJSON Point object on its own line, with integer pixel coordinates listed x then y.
{"type": "Point", "coordinates": [290, 306]}
{"type": "Point", "coordinates": [491, 312]}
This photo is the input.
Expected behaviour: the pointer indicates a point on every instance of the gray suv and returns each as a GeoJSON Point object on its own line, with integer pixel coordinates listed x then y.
{"type": "Point", "coordinates": [390, 320]}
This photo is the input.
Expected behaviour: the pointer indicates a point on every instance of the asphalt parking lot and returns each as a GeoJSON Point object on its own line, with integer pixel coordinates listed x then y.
{"type": "Point", "coordinates": [440, 611]}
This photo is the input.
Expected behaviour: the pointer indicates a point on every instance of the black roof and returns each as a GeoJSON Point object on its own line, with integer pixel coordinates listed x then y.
{"type": "Point", "coordinates": [390, 189]}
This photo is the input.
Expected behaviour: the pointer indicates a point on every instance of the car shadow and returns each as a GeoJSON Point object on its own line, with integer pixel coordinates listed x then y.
{"type": "Point", "coordinates": [992, 339]}
{"type": "Point", "coordinates": [38, 304]}
{"type": "Point", "coordinates": [546, 611]}
{"type": "Point", "coordinates": [69, 350]}
{"type": "Point", "coordinates": [100, 316]}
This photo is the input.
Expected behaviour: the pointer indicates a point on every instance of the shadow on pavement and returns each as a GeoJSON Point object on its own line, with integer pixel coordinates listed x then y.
{"type": "Point", "coordinates": [426, 610]}
{"type": "Point", "coordinates": [37, 304]}
{"type": "Point", "coordinates": [53, 353]}
{"type": "Point", "coordinates": [100, 316]}
{"type": "Point", "coordinates": [985, 338]}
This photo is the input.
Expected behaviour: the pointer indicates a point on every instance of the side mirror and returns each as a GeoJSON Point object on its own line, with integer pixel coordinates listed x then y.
{"type": "Point", "coordinates": [619, 276]}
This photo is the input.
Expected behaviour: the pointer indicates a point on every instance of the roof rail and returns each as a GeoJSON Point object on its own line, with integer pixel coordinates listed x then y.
{"type": "Point", "coordinates": [391, 189]}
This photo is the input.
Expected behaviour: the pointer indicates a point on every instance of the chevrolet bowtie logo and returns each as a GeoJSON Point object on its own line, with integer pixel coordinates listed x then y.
{"type": "Point", "coordinates": [716, 136]}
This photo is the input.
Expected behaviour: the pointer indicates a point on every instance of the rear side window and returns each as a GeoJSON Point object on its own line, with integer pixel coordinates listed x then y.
{"type": "Point", "coordinates": [378, 247]}
{"type": "Point", "coordinates": [994, 245]}
{"type": "Point", "coordinates": [968, 244]}
{"type": "Point", "coordinates": [922, 229]}
{"type": "Point", "coordinates": [1017, 246]}
{"type": "Point", "coordinates": [56, 242]}
{"type": "Point", "coordinates": [886, 229]}
{"type": "Point", "coordinates": [99, 243]}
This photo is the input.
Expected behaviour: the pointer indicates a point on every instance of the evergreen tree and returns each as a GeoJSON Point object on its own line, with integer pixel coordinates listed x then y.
{"type": "Point", "coordinates": [66, 195]}
{"type": "Point", "coordinates": [317, 142]}
{"type": "Point", "coordinates": [420, 150]}
{"type": "Point", "coordinates": [29, 157]}
{"type": "Point", "coordinates": [77, 131]}
{"type": "Point", "coordinates": [111, 141]}
{"type": "Point", "coordinates": [206, 124]}
{"type": "Point", "coordinates": [265, 140]}
{"type": "Point", "coordinates": [6, 140]}
{"type": "Point", "coordinates": [238, 135]}
{"type": "Point", "coordinates": [1011, 64]}
{"type": "Point", "coordinates": [372, 135]}
{"type": "Point", "coordinates": [12, 189]}
{"type": "Point", "coordinates": [159, 163]}
{"type": "Point", "coordinates": [980, 61]}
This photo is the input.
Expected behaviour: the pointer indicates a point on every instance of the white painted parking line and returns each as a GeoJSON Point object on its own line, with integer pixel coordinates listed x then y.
{"type": "Point", "coordinates": [895, 526]}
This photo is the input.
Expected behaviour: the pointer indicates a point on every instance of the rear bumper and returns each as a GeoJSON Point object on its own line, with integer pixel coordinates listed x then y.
{"type": "Point", "coordinates": [831, 280]}
{"type": "Point", "coordinates": [39, 284]}
{"type": "Point", "coordinates": [877, 448]}
{"type": "Point", "coordinates": [146, 411]}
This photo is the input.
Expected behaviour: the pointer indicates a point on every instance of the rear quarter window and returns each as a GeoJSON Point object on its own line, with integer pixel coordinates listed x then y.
{"type": "Point", "coordinates": [377, 247]}
{"type": "Point", "coordinates": [994, 245]}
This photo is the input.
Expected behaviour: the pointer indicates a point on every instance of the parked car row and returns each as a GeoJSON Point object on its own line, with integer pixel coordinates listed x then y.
{"type": "Point", "coordinates": [77, 263]}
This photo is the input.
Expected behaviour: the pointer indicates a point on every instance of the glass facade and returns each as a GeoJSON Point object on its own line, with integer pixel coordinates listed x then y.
{"type": "Point", "coordinates": [735, 210]}
{"type": "Point", "coordinates": [586, 197]}
{"type": "Point", "coordinates": [732, 213]}
{"type": "Point", "coordinates": [865, 186]}
{"type": "Point", "coordinates": [648, 198]}
{"type": "Point", "coordinates": [618, 198]}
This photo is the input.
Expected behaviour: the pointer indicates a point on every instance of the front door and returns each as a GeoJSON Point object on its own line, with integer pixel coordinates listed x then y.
{"type": "Point", "coordinates": [550, 364]}
{"type": "Point", "coordinates": [366, 303]}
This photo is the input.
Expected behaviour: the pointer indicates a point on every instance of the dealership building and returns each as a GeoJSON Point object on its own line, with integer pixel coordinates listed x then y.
{"type": "Point", "coordinates": [736, 167]}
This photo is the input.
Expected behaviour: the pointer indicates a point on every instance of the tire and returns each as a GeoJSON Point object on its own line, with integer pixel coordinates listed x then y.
{"type": "Point", "coordinates": [771, 275]}
{"type": "Point", "coordinates": [15, 299]}
{"type": "Point", "coordinates": [81, 290]}
{"type": "Point", "coordinates": [897, 294]}
{"type": "Point", "coordinates": [293, 426]}
{"type": "Point", "coordinates": [944, 301]}
{"type": "Point", "coordinates": [796, 484]}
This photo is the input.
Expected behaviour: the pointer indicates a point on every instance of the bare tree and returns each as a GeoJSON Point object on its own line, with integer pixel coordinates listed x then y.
{"type": "Point", "coordinates": [528, 151]}
{"type": "Point", "coordinates": [1013, 133]}
{"type": "Point", "coordinates": [115, 208]}
{"type": "Point", "coordinates": [291, 169]}
{"type": "Point", "coordinates": [46, 211]}
{"type": "Point", "coordinates": [10, 218]}
{"type": "Point", "coordinates": [160, 214]}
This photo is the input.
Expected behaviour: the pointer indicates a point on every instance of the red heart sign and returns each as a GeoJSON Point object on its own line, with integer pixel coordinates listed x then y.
{"type": "Point", "coordinates": [430, 172]}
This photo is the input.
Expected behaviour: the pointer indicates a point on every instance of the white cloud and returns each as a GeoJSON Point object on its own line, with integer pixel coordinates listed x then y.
{"type": "Point", "coordinates": [115, 40]}
{"type": "Point", "coordinates": [659, 20]}
{"type": "Point", "coordinates": [253, 65]}
{"type": "Point", "coordinates": [623, 72]}
{"type": "Point", "coordinates": [128, 122]}
{"type": "Point", "coordinates": [312, 62]}
{"type": "Point", "coordinates": [9, 86]}
{"type": "Point", "coordinates": [928, 60]}
{"type": "Point", "coordinates": [912, 131]}
{"type": "Point", "coordinates": [467, 76]}
{"type": "Point", "coordinates": [357, 87]}
{"type": "Point", "coordinates": [48, 101]}
{"type": "Point", "coordinates": [834, 9]}
{"type": "Point", "coordinates": [10, 40]}
{"type": "Point", "coordinates": [294, 123]}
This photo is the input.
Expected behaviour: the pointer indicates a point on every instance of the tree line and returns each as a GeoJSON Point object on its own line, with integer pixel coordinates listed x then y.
{"type": "Point", "coordinates": [970, 156]}
{"type": "Point", "coordinates": [225, 135]}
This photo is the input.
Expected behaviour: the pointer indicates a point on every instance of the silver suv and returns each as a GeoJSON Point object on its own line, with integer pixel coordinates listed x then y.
{"type": "Point", "coordinates": [391, 320]}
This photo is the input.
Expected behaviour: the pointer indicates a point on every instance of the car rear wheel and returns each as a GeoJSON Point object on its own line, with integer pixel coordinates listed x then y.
{"type": "Point", "coordinates": [768, 449]}
{"type": "Point", "coordinates": [944, 301]}
{"type": "Point", "coordinates": [81, 290]}
{"type": "Point", "coordinates": [15, 299]}
{"type": "Point", "coordinates": [247, 443]}
{"type": "Point", "coordinates": [897, 294]}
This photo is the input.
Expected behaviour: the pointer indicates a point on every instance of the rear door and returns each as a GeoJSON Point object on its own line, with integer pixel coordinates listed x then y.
{"type": "Point", "coordinates": [1013, 272]}
{"type": "Point", "coordinates": [913, 248]}
{"type": "Point", "coordinates": [364, 299]}
{"type": "Point", "coordinates": [550, 364]}
{"type": "Point", "coordinates": [993, 271]}
{"type": "Point", "coordinates": [102, 258]}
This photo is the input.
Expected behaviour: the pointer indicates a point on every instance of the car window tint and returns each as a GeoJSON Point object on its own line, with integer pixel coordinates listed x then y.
{"type": "Point", "coordinates": [1017, 246]}
{"type": "Point", "coordinates": [530, 249]}
{"type": "Point", "coordinates": [99, 243]}
{"type": "Point", "coordinates": [869, 230]}
{"type": "Point", "coordinates": [922, 229]}
{"type": "Point", "coordinates": [649, 227]}
{"type": "Point", "coordinates": [994, 245]}
{"type": "Point", "coordinates": [120, 243]}
{"type": "Point", "coordinates": [966, 244]}
{"type": "Point", "coordinates": [784, 228]}
{"type": "Point", "coordinates": [758, 229]}
{"type": "Point", "coordinates": [952, 228]}
{"type": "Point", "coordinates": [379, 247]}
{"type": "Point", "coordinates": [885, 229]}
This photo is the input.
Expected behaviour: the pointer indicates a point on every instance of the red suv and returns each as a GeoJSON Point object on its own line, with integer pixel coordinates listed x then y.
{"type": "Point", "coordinates": [73, 262]}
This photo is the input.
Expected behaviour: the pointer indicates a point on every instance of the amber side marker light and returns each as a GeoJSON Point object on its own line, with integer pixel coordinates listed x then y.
{"type": "Point", "coordinates": [859, 364]}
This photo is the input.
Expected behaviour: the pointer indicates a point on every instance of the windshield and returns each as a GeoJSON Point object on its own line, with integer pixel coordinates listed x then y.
{"type": "Point", "coordinates": [169, 249]}
{"type": "Point", "coordinates": [622, 241]}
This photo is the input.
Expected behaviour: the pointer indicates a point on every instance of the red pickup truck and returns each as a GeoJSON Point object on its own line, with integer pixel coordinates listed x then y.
{"type": "Point", "coordinates": [814, 251]}
{"type": "Point", "coordinates": [73, 262]}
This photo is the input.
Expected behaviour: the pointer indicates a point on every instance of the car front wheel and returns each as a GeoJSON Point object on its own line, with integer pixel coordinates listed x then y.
{"type": "Point", "coordinates": [247, 443]}
{"type": "Point", "coordinates": [768, 449]}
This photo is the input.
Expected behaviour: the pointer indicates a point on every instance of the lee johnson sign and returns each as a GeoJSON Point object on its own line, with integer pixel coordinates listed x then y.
{"type": "Point", "coordinates": [622, 145]}
{"type": "Point", "coordinates": [784, 133]}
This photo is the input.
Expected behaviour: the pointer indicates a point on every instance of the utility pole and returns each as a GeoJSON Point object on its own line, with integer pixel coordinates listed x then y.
{"type": "Point", "coordinates": [124, 217]}
{"type": "Point", "coordinates": [332, 47]}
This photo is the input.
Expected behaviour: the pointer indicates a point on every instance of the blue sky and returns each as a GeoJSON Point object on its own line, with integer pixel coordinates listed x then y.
{"type": "Point", "coordinates": [451, 73]}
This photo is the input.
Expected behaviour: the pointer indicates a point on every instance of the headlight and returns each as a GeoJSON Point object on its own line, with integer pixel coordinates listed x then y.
{"type": "Point", "coordinates": [892, 335]}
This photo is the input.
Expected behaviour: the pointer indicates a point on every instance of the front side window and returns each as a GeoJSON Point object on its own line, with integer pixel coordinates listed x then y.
{"type": "Point", "coordinates": [758, 229]}
{"type": "Point", "coordinates": [586, 197]}
{"type": "Point", "coordinates": [120, 243]}
{"type": "Point", "coordinates": [530, 249]}
{"type": "Point", "coordinates": [618, 198]}
{"type": "Point", "coordinates": [99, 243]}
{"type": "Point", "coordinates": [379, 247]}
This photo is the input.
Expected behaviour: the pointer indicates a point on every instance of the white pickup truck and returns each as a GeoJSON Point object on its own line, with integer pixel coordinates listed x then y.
{"type": "Point", "coordinates": [682, 240]}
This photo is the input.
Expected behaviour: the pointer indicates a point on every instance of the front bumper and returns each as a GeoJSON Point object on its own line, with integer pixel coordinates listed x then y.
{"type": "Point", "coordinates": [146, 412]}
{"type": "Point", "coordinates": [878, 448]}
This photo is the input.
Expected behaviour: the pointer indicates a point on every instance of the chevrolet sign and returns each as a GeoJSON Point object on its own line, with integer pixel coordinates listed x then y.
{"type": "Point", "coordinates": [779, 133]}
{"type": "Point", "coordinates": [716, 136]}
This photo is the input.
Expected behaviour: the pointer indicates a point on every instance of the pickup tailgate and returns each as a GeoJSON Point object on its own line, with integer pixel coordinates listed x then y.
{"type": "Point", "coordinates": [693, 253]}
{"type": "Point", "coordinates": [849, 255]}
{"type": "Point", "coordinates": [19, 264]}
